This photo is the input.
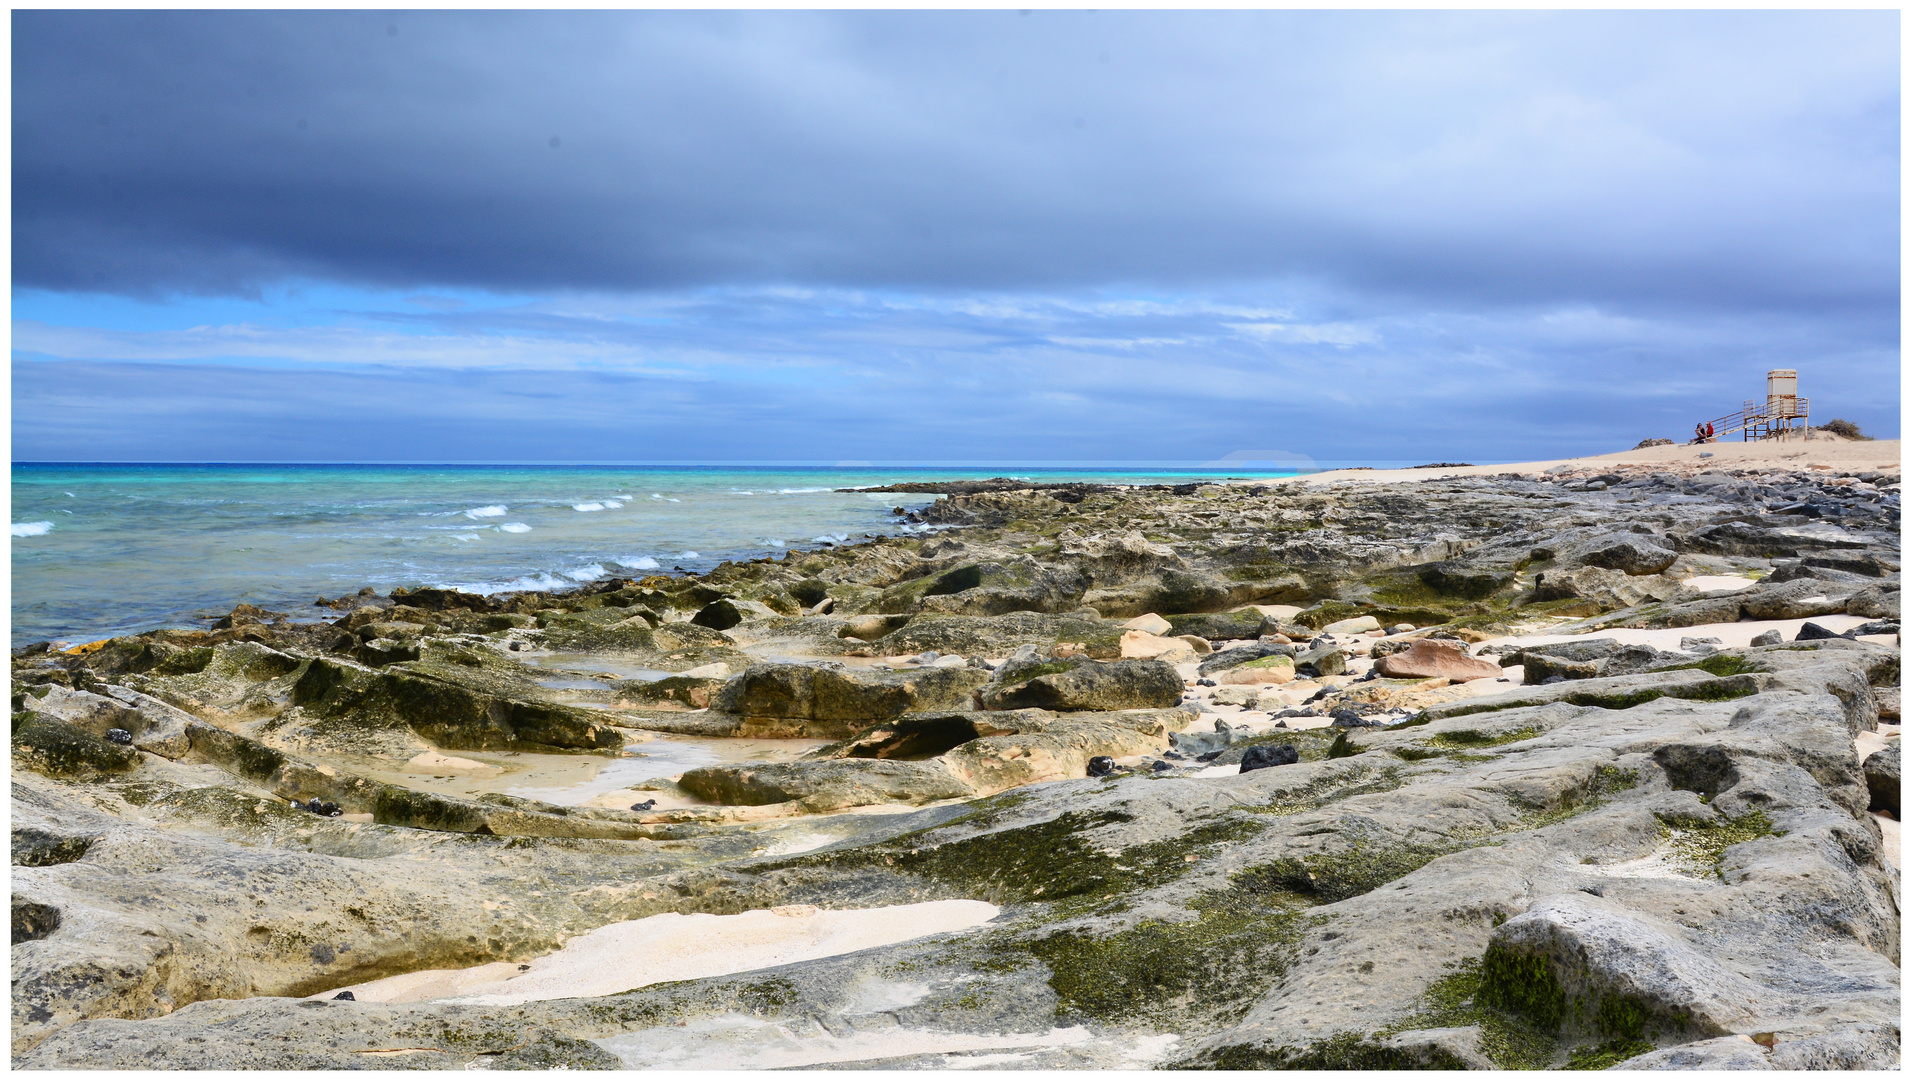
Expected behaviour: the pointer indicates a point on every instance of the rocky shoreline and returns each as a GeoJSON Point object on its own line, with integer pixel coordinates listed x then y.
{"type": "Point", "coordinates": [1577, 766]}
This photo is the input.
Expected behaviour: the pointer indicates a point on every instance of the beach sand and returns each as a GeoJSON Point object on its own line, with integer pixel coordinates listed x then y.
{"type": "Point", "coordinates": [1832, 454]}
{"type": "Point", "coordinates": [665, 948]}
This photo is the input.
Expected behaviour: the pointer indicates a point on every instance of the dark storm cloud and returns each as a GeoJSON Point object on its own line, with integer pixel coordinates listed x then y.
{"type": "Point", "coordinates": [1719, 160]}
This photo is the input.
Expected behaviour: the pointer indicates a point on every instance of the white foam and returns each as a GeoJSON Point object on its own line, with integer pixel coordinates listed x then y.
{"type": "Point", "coordinates": [642, 562]}
{"type": "Point", "coordinates": [586, 573]}
{"type": "Point", "coordinates": [540, 583]}
{"type": "Point", "coordinates": [467, 537]}
{"type": "Point", "coordinates": [774, 543]}
{"type": "Point", "coordinates": [32, 528]}
{"type": "Point", "coordinates": [477, 512]}
{"type": "Point", "coordinates": [585, 508]}
{"type": "Point", "coordinates": [689, 555]}
{"type": "Point", "coordinates": [613, 504]}
{"type": "Point", "coordinates": [669, 947]}
{"type": "Point", "coordinates": [800, 491]}
{"type": "Point", "coordinates": [514, 527]}
{"type": "Point", "coordinates": [69, 494]}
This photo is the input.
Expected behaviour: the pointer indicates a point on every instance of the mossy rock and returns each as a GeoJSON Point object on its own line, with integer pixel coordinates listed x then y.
{"type": "Point", "coordinates": [55, 748]}
{"type": "Point", "coordinates": [1226, 626]}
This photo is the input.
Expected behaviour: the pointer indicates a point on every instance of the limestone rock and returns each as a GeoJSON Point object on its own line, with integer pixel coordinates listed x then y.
{"type": "Point", "coordinates": [824, 785]}
{"type": "Point", "coordinates": [1629, 553]}
{"type": "Point", "coordinates": [1224, 626]}
{"type": "Point", "coordinates": [1085, 685]}
{"type": "Point", "coordinates": [1324, 659]}
{"type": "Point", "coordinates": [1150, 623]}
{"type": "Point", "coordinates": [1597, 951]}
{"type": "Point", "coordinates": [843, 701]}
{"type": "Point", "coordinates": [1610, 588]}
{"type": "Point", "coordinates": [1360, 625]}
{"type": "Point", "coordinates": [726, 612]}
{"type": "Point", "coordinates": [1874, 602]}
{"type": "Point", "coordinates": [1793, 600]}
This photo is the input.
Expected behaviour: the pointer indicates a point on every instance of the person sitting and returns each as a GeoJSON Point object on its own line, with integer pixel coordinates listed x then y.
{"type": "Point", "coordinates": [1699, 434]}
{"type": "Point", "coordinates": [1709, 432]}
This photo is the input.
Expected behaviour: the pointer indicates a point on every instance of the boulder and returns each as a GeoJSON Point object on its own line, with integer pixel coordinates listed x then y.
{"type": "Point", "coordinates": [726, 612]}
{"type": "Point", "coordinates": [1150, 623]}
{"type": "Point", "coordinates": [1079, 685]}
{"type": "Point", "coordinates": [1770, 637]}
{"type": "Point", "coordinates": [1323, 660]}
{"type": "Point", "coordinates": [1882, 778]}
{"type": "Point", "coordinates": [1359, 625]}
{"type": "Point", "coordinates": [871, 627]}
{"type": "Point", "coordinates": [1244, 654]}
{"type": "Point", "coordinates": [1630, 553]}
{"type": "Point", "coordinates": [1060, 747]}
{"type": "Point", "coordinates": [1874, 602]}
{"type": "Point", "coordinates": [1793, 600]}
{"type": "Point", "coordinates": [825, 784]}
{"type": "Point", "coordinates": [920, 736]}
{"type": "Point", "coordinates": [1267, 757]}
{"type": "Point", "coordinates": [1607, 587]}
{"type": "Point", "coordinates": [53, 747]}
{"type": "Point", "coordinates": [1268, 669]}
{"type": "Point", "coordinates": [1464, 581]}
{"type": "Point", "coordinates": [968, 635]}
{"type": "Point", "coordinates": [1539, 667]}
{"type": "Point", "coordinates": [1436, 660]}
{"type": "Point", "coordinates": [844, 701]}
{"type": "Point", "coordinates": [1224, 626]}
{"type": "Point", "coordinates": [1720, 609]}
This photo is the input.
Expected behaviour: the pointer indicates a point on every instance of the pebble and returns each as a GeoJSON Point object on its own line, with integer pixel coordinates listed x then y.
{"type": "Point", "coordinates": [344, 995]}
{"type": "Point", "coordinates": [643, 806]}
{"type": "Point", "coordinates": [1161, 766]}
{"type": "Point", "coordinates": [1101, 765]}
{"type": "Point", "coordinates": [119, 735]}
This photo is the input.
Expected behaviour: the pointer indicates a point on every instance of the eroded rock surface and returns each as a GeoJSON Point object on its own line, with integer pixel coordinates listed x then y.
{"type": "Point", "coordinates": [1660, 858]}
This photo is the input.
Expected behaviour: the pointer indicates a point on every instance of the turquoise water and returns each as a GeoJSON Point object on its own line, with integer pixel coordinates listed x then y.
{"type": "Point", "coordinates": [113, 549]}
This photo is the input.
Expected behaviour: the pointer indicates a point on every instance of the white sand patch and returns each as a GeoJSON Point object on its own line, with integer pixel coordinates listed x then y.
{"type": "Point", "coordinates": [439, 765]}
{"type": "Point", "coordinates": [663, 948]}
{"type": "Point", "coordinates": [1889, 826]}
{"type": "Point", "coordinates": [746, 1042]}
{"type": "Point", "coordinates": [1732, 635]}
{"type": "Point", "coordinates": [1868, 743]}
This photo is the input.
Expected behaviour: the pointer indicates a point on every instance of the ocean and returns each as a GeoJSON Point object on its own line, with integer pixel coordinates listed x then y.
{"type": "Point", "coordinates": [100, 550]}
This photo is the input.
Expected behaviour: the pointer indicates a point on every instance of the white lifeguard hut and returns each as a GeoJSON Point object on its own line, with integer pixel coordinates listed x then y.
{"type": "Point", "coordinates": [1783, 412]}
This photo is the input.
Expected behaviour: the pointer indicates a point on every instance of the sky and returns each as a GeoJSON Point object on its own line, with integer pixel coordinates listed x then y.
{"type": "Point", "coordinates": [1113, 236]}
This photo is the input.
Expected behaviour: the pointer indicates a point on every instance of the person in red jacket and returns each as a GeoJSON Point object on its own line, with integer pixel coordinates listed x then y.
{"type": "Point", "coordinates": [1709, 432]}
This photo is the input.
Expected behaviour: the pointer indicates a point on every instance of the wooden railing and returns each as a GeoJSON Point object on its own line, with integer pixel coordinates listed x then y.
{"type": "Point", "coordinates": [1769, 419]}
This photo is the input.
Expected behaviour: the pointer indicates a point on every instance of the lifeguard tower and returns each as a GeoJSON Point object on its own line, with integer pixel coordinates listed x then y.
{"type": "Point", "coordinates": [1783, 412]}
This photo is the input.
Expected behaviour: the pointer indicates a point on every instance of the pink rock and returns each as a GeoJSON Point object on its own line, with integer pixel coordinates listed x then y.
{"type": "Point", "coordinates": [1435, 660]}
